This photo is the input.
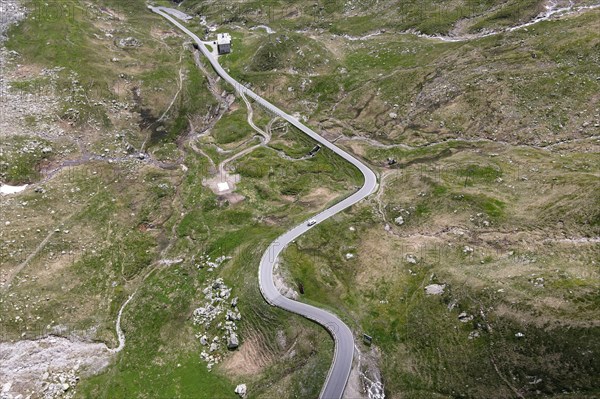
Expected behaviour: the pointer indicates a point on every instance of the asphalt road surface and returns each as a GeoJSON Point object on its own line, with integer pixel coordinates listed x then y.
{"type": "Point", "coordinates": [339, 371]}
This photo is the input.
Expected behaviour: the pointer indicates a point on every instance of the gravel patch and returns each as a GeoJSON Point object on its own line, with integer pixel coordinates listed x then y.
{"type": "Point", "coordinates": [48, 368]}
{"type": "Point", "coordinates": [11, 12]}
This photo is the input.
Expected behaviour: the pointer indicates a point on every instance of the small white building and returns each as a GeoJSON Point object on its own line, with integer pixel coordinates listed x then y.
{"type": "Point", "coordinates": [223, 43]}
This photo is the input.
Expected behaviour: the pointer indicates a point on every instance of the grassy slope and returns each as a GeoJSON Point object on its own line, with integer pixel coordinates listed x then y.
{"type": "Point", "coordinates": [231, 230]}
{"type": "Point", "coordinates": [426, 349]}
{"type": "Point", "coordinates": [424, 345]}
{"type": "Point", "coordinates": [357, 17]}
{"type": "Point", "coordinates": [493, 89]}
{"type": "Point", "coordinates": [118, 247]}
{"type": "Point", "coordinates": [520, 87]}
{"type": "Point", "coordinates": [130, 218]}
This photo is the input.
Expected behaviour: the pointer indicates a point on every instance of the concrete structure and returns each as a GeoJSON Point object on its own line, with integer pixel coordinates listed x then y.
{"type": "Point", "coordinates": [223, 43]}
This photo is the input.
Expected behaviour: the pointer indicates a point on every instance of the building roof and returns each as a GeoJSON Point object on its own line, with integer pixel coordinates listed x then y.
{"type": "Point", "coordinates": [223, 38]}
{"type": "Point", "coordinates": [222, 186]}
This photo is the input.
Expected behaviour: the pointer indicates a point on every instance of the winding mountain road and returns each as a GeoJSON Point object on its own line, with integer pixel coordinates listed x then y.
{"type": "Point", "coordinates": [339, 371]}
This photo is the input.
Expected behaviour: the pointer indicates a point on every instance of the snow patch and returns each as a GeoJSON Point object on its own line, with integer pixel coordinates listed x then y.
{"type": "Point", "coordinates": [6, 189]}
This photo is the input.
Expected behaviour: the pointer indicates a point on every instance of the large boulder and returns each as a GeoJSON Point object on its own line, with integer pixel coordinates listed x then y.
{"type": "Point", "coordinates": [241, 390]}
{"type": "Point", "coordinates": [232, 341]}
{"type": "Point", "coordinates": [129, 42]}
{"type": "Point", "coordinates": [435, 289]}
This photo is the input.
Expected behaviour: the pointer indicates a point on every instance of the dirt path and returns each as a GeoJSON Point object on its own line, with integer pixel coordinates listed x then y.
{"type": "Point", "coordinates": [179, 88]}
{"type": "Point", "coordinates": [266, 136]}
{"type": "Point", "coordinates": [120, 333]}
{"type": "Point", "coordinates": [383, 180]}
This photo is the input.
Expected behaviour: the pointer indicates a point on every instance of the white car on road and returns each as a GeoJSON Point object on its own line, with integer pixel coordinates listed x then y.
{"type": "Point", "coordinates": [311, 222]}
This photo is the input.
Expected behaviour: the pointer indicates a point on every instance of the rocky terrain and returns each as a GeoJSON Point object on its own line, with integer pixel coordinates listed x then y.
{"type": "Point", "coordinates": [48, 367]}
{"type": "Point", "coordinates": [219, 313]}
{"type": "Point", "coordinates": [17, 104]}
{"type": "Point", "coordinates": [12, 13]}
{"type": "Point", "coordinates": [50, 360]}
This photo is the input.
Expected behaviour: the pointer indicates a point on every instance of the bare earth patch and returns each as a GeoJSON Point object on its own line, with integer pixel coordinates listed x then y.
{"type": "Point", "coordinates": [250, 358]}
{"type": "Point", "coordinates": [318, 197]}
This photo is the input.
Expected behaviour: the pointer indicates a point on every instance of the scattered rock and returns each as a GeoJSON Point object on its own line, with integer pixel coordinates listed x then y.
{"type": "Point", "coordinates": [205, 260]}
{"type": "Point", "coordinates": [170, 262]}
{"type": "Point", "coordinates": [216, 312]}
{"type": "Point", "coordinates": [435, 289]}
{"type": "Point", "coordinates": [232, 316]}
{"type": "Point", "coordinates": [452, 305]}
{"type": "Point", "coordinates": [411, 259]}
{"type": "Point", "coordinates": [232, 341]}
{"type": "Point", "coordinates": [399, 220]}
{"type": "Point", "coordinates": [464, 317]}
{"type": "Point", "coordinates": [130, 42]}
{"type": "Point", "coordinates": [538, 282]}
{"type": "Point", "coordinates": [281, 285]}
{"type": "Point", "coordinates": [49, 366]}
{"type": "Point", "coordinates": [241, 390]}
